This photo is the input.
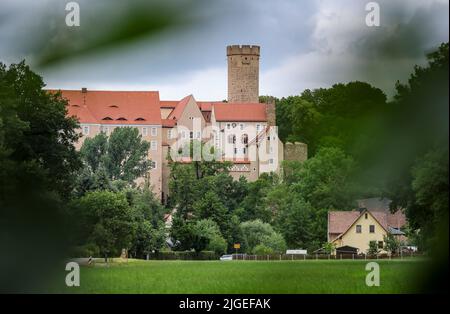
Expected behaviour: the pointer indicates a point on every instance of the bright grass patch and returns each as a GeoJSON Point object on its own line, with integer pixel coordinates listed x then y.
{"type": "Point", "coordinates": [245, 277]}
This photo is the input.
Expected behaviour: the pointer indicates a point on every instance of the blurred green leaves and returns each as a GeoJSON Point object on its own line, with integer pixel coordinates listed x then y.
{"type": "Point", "coordinates": [106, 25]}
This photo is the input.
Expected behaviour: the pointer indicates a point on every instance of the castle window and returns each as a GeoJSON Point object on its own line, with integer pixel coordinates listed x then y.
{"type": "Point", "coordinates": [104, 129]}
{"type": "Point", "coordinates": [144, 131]}
{"type": "Point", "coordinates": [153, 145]}
{"type": "Point", "coordinates": [154, 131]}
{"type": "Point", "coordinates": [244, 138]}
{"type": "Point", "coordinates": [231, 139]}
{"type": "Point", "coordinates": [358, 229]}
{"type": "Point", "coordinates": [372, 228]}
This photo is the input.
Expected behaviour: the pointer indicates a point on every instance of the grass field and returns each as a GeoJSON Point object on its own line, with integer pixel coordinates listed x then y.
{"type": "Point", "coordinates": [239, 277]}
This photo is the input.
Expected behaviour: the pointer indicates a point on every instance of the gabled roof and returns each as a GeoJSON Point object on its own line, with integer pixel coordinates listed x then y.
{"type": "Point", "coordinates": [245, 112]}
{"type": "Point", "coordinates": [113, 107]}
{"type": "Point", "coordinates": [379, 217]}
{"type": "Point", "coordinates": [178, 111]}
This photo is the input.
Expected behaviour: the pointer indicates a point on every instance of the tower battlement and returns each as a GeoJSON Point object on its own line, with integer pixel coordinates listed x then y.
{"type": "Point", "coordinates": [243, 50]}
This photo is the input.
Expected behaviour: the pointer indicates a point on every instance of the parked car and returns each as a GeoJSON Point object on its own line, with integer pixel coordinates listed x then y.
{"type": "Point", "coordinates": [226, 257]}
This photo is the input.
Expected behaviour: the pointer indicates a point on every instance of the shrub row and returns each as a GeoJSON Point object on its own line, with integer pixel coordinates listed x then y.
{"type": "Point", "coordinates": [184, 255]}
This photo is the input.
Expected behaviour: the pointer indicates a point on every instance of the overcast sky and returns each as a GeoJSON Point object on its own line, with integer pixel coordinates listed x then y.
{"type": "Point", "coordinates": [304, 44]}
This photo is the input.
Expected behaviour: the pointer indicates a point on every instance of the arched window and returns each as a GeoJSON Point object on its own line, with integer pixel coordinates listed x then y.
{"type": "Point", "coordinates": [244, 138]}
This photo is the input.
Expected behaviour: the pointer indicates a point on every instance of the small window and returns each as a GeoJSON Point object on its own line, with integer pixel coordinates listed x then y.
{"type": "Point", "coordinates": [153, 164]}
{"type": "Point", "coordinates": [242, 126]}
{"type": "Point", "coordinates": [107, 118]}
{"type": "Point", "coordinates": [244, 139]}
{"type": "Point", "coordinates": [169, 134]}
{"type": "Point", "coordinates": [228, 126]}
{"type": "Point", "coordinates": [380, 244]}
{"type": "Point", "coordinates": [153, 145]}
{"type": "Point", "coordinates": [244, 150]}
{"type": "Point", "coordinates": [191, 135]}
{"type": "Point", "coordinates": [121, 119]}
{"type": "Point", "coordinates": [104, 129]}
{"type": "Point", "coordinates": [366, 216]}
{"type": "Point", "coordinates": [358, 229]}
{"type": "Point", "coordinates": [86, 130]}
{"type": "Point", "coordinates": [372, 228]}
{"type": "Point", "coordinates": [154, 131]}
{"type": "Point", "coordinates": [139, 119]}
{"type": "Point", "coordinates": [271, 161]}
{"type": "Point", "coordinates": [231, 139]}
{"type": "Point", "coordinates": [258, 126]}
{"type": "Point", "coordinates": [144, 131]}
{"type": "Point", "coordinates": [235, 150]}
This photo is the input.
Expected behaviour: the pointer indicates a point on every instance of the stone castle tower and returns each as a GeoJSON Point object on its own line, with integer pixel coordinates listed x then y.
{"type": "Point", "coordinates": [243, 73]}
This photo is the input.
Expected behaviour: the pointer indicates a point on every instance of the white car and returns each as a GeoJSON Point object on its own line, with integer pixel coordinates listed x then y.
{"type": "Point", "coordinates": [226, 258]}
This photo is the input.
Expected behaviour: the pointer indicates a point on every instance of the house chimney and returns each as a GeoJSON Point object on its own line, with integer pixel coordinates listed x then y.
{"type": "Point", "coordinates": [84, 90]}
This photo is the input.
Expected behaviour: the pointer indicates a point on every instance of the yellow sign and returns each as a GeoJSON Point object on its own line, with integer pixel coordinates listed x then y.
{"type": "Point", "coordinates": [237, 245]}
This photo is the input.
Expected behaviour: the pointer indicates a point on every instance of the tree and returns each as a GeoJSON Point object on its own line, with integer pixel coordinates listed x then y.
{"type": "Point", "coordinates": [207, 229]}
{"type": "Point", "coordinates": [373, 248]}
{"type": "Point", "coordinates": [256, 232]}
{"type": "Point", "coordinates": [391, 243]}
{"type": "Point", "coordinates": [122, 156]}
{"type": "Point", "coordinates": [35, 128]}
{"type": "Point", "coordinates": [326, 180]}
{"type": "Point", "coordinates": [37, 163]}
{"type": "Point", "coordinates": [107, 219]}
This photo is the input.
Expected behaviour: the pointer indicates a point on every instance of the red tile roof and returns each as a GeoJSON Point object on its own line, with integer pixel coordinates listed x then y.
{"type": "Point", "coordinates": [169, 103]}
{"type": "Point", "coordinates": [178, 111]}
{"type": "Point", "coordinates": [114, 107]}
{"type": "Point", "coordinates": [168, 123]}
{"type": "Point", "coordinates": [340, 221]}
{"type": "Point", "coordinates": [249, 112]}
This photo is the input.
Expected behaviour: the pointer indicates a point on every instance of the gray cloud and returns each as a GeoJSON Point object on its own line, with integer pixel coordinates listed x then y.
{"type": "Point", "coordinates": [305, 44]}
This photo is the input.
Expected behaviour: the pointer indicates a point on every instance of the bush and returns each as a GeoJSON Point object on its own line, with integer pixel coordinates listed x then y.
{"type": "Point", "coordinates": [184, 255]}
{"type": "Point", "coordinates": [261, 249]}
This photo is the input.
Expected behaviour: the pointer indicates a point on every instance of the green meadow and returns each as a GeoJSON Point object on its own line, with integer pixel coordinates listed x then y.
{"type": "Point", "coordinates": [240, 277]}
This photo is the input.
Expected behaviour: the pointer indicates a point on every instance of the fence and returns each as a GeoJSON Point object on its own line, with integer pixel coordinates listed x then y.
{"type": "Point", "coordinates": [298, 257]}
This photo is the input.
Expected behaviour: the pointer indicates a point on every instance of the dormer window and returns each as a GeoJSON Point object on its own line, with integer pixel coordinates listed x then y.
{"type": "Point", "coordinates": [139, 119]}
{"type": "Point", "coordinates": [113, 106]}
{"type": "Point", "coordinates": [76, 106]}
{"type": "Point", "coordinates": [107, 118]}
{"type": "Point", "coordinates": [121, 119]}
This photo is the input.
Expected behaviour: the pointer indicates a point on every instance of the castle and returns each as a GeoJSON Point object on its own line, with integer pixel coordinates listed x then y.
{"type": "Point", "coordinates": [242, 130]}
